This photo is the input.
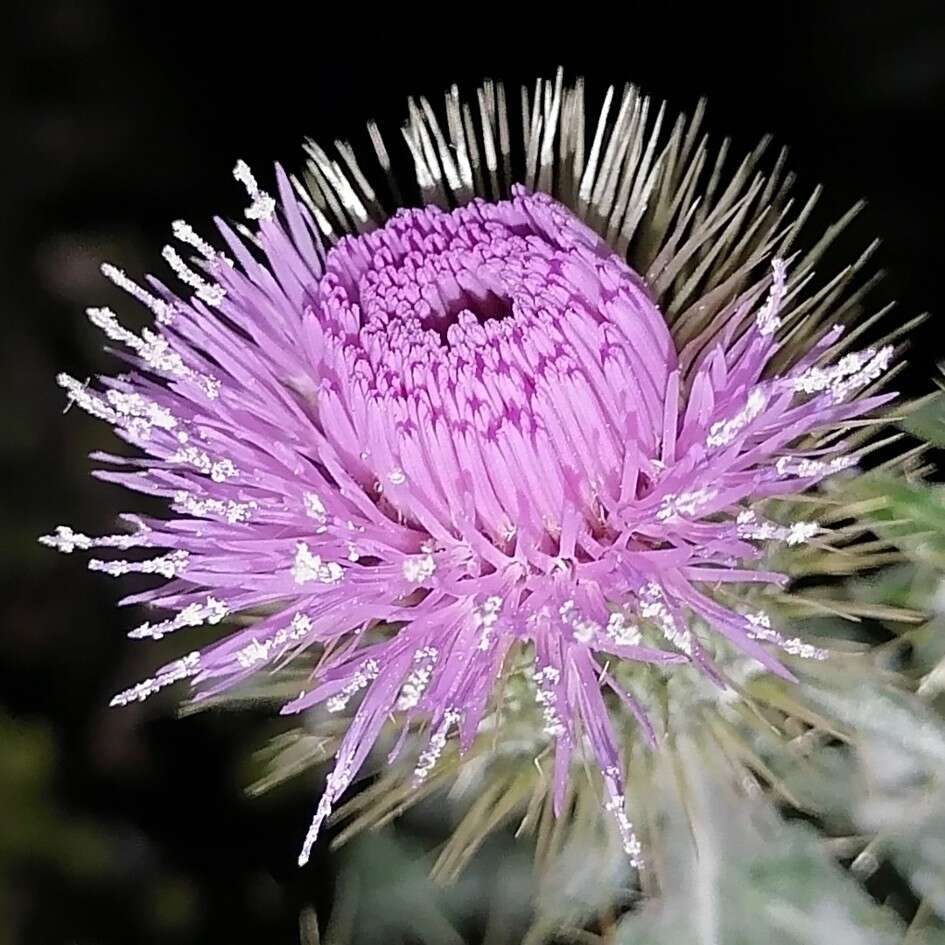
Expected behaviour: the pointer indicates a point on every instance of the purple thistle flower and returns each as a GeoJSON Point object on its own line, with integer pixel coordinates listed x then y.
{"type": "Point", "coordinates": [464, 432]}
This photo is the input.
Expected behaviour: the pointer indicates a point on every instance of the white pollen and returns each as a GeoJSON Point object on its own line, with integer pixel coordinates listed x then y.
{"type": "Point", "coordinates": [485, 618]}
{"type": "Point", "coordinates": [208, 292]}
{"type": "Point", "coordinates": [180, 669]}
{"type": "Point", "coordinates": [259, 651]}
{"type": "Point", "coordinates": [684, 504]}
{"type": "Point", "coordinates": [66, 540]}
{"type": "Point", "coordinates": [80, 395]}
{"type": "Point", "coordinates": [184, 232]}
{"type": "Point", "coordinates": [210, 386]}
{"type": "Point", "coordinates": [431, 754]}
{"type": "Point", "coordinates": [231, 511]}
{"type": "Point", "coordinates": [314, 508]}
{"type": "Point", "coordinates": [767, 320]}
{"type": "Point", "coordinates": [212, 611]}
{"type": "Point", "coordinates": [419, 678]}
{"type": "Point", "coordinates": [849, 374]}
{"type": "Point", "coordinates": [308, 567]}
{"type": "Point", "coordinates": [419, 568]}
{"type": "Point", "coordinates": [163, 312]}
{"type": "Point", "coordinates": [507, 531]}
{"type": "Point", "coordinates": [263, 206]}
{"type": "Point", "coordinates": [653, 607]}
{"type": "Point", "coordinates": [583, 628]}
{"type": "Point", "coordinates": [616, 807]}
{"type": "Point", "coordinates": [365, 673]}
{"type": "Point", "coordinates": [168, 566]}
{"type": "Point", "coordinates": [153, 349]}
{"type": "Point", "coordinates": [546, 679]}
{"type": "Point", "coordinates": [760, 629]}
{"type": "Point", "coordinates": [725, 432]}
{"type": "Point", "coordinates": [218, 471]}
{"type": "Point", "coordinates": [622, 632]}
{"type": "Point", "coordinates": [750, 526]}
{"type": "Point", "coordinates": [809, 468]}
{"type": "Point", "coordinates": [336, 782]}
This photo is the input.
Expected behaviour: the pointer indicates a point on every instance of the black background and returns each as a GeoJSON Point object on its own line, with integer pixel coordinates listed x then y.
{"type": "Point", "coordinates": [118, 118]}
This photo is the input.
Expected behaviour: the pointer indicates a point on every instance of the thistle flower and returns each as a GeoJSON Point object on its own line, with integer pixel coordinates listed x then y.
{"type": "Point", "coordinates": [537, 417]}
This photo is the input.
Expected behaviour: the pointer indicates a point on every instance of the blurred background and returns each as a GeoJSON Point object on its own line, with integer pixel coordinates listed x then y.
{"type": "Point", "coordinates": [131, 825]}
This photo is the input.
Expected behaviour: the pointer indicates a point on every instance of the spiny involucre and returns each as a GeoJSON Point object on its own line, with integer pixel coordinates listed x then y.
{"type": "Point", "coordinates": [470, 430]}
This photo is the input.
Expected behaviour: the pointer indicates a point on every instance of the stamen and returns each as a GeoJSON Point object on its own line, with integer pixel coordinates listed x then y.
{"type": "Point", "coordinates": [234, 513]}
{"type": "Point", "coordinates": [616, 806]}
{"type": "Point", "coordinates": [137, 407]}
{"type": "Point", "coordinates": [653, 607]}
{"type": "Point", "coordinates": [212, 611]}
{"type": "Point", "coordinates": [184, 232]}
{"type": "Point", "coordinates": [685, 504]}
{"type": "Point", "coordinates": [80, 395]}
{"type": "Point", "coordinates": [180, 669]}
{"type": "Point", "coordinates": [336, 783]}
{"type": "Point", "coordinates": [809, 468]}
{"type": "Point", "coordinates": [218, 471]}
{"type": "Point", "coordinates": [725, 432]}
{"type": "Point", "coordinates": [750, 526]}
{"type": "Point", "coordinates": [485, 618]}
{"type": "Point", "coordinates": [168, 566]}
{"type": "Point", "coordinates": [419, 678]}
{"type": "Point", "coordinates": [545, 680]}
{"type": "Point", "coordinates": [211, 293]}
{"type": "Point", "coordinates": [259, 651]}
{"type": "Point", "coordinates": [767, 320]}
{"type": "Point", "coordinates": [263, 206]}
{"type": "Point", "coordinates": [153, 349]}
{"type": "Point", "coordinates": [366, 672]}
{"type": "Point", "coordinates": [163, 312]}
{"type": "Point", "coordinates": [66, 540]}
{"type": "Point", "coordinates": [431, 755]}
{"type": "Point", "coordinates": [760, 625]}
{"type": "Point", "coordinates": [849, 374]}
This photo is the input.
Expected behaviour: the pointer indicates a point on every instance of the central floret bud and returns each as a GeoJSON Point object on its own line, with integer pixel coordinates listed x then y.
{"type": "Point", "coordinates": [505, 365]}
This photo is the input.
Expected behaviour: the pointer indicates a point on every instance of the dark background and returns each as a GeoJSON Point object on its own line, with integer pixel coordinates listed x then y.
{"type": "Point", "coordinates": [128, 825]}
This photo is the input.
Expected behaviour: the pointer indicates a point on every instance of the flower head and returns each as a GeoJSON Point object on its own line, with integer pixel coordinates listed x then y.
{"type": "Point", "coordinates": [471, 431]}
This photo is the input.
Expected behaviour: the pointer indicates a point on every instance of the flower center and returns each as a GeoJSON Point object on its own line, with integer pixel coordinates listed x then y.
{"type": "Point", "coordinates": [463, 310]}
{"type": "Point", "coordinates": [502, 356]}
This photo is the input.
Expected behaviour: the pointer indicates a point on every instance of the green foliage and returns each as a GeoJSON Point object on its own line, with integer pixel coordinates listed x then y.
{"type": "Point", "coordinates": [927, 421]}
{"type": "Point", "coordinates": [909, 515]}
{"type": "Point", "coordinates": [732, 871]}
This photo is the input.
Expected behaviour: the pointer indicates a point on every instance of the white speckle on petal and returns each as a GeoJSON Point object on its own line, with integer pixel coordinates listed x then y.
{"type": "Point", "coordinates": [419, 568]}
{"type": "Point", "coordinates": [308, 567]}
